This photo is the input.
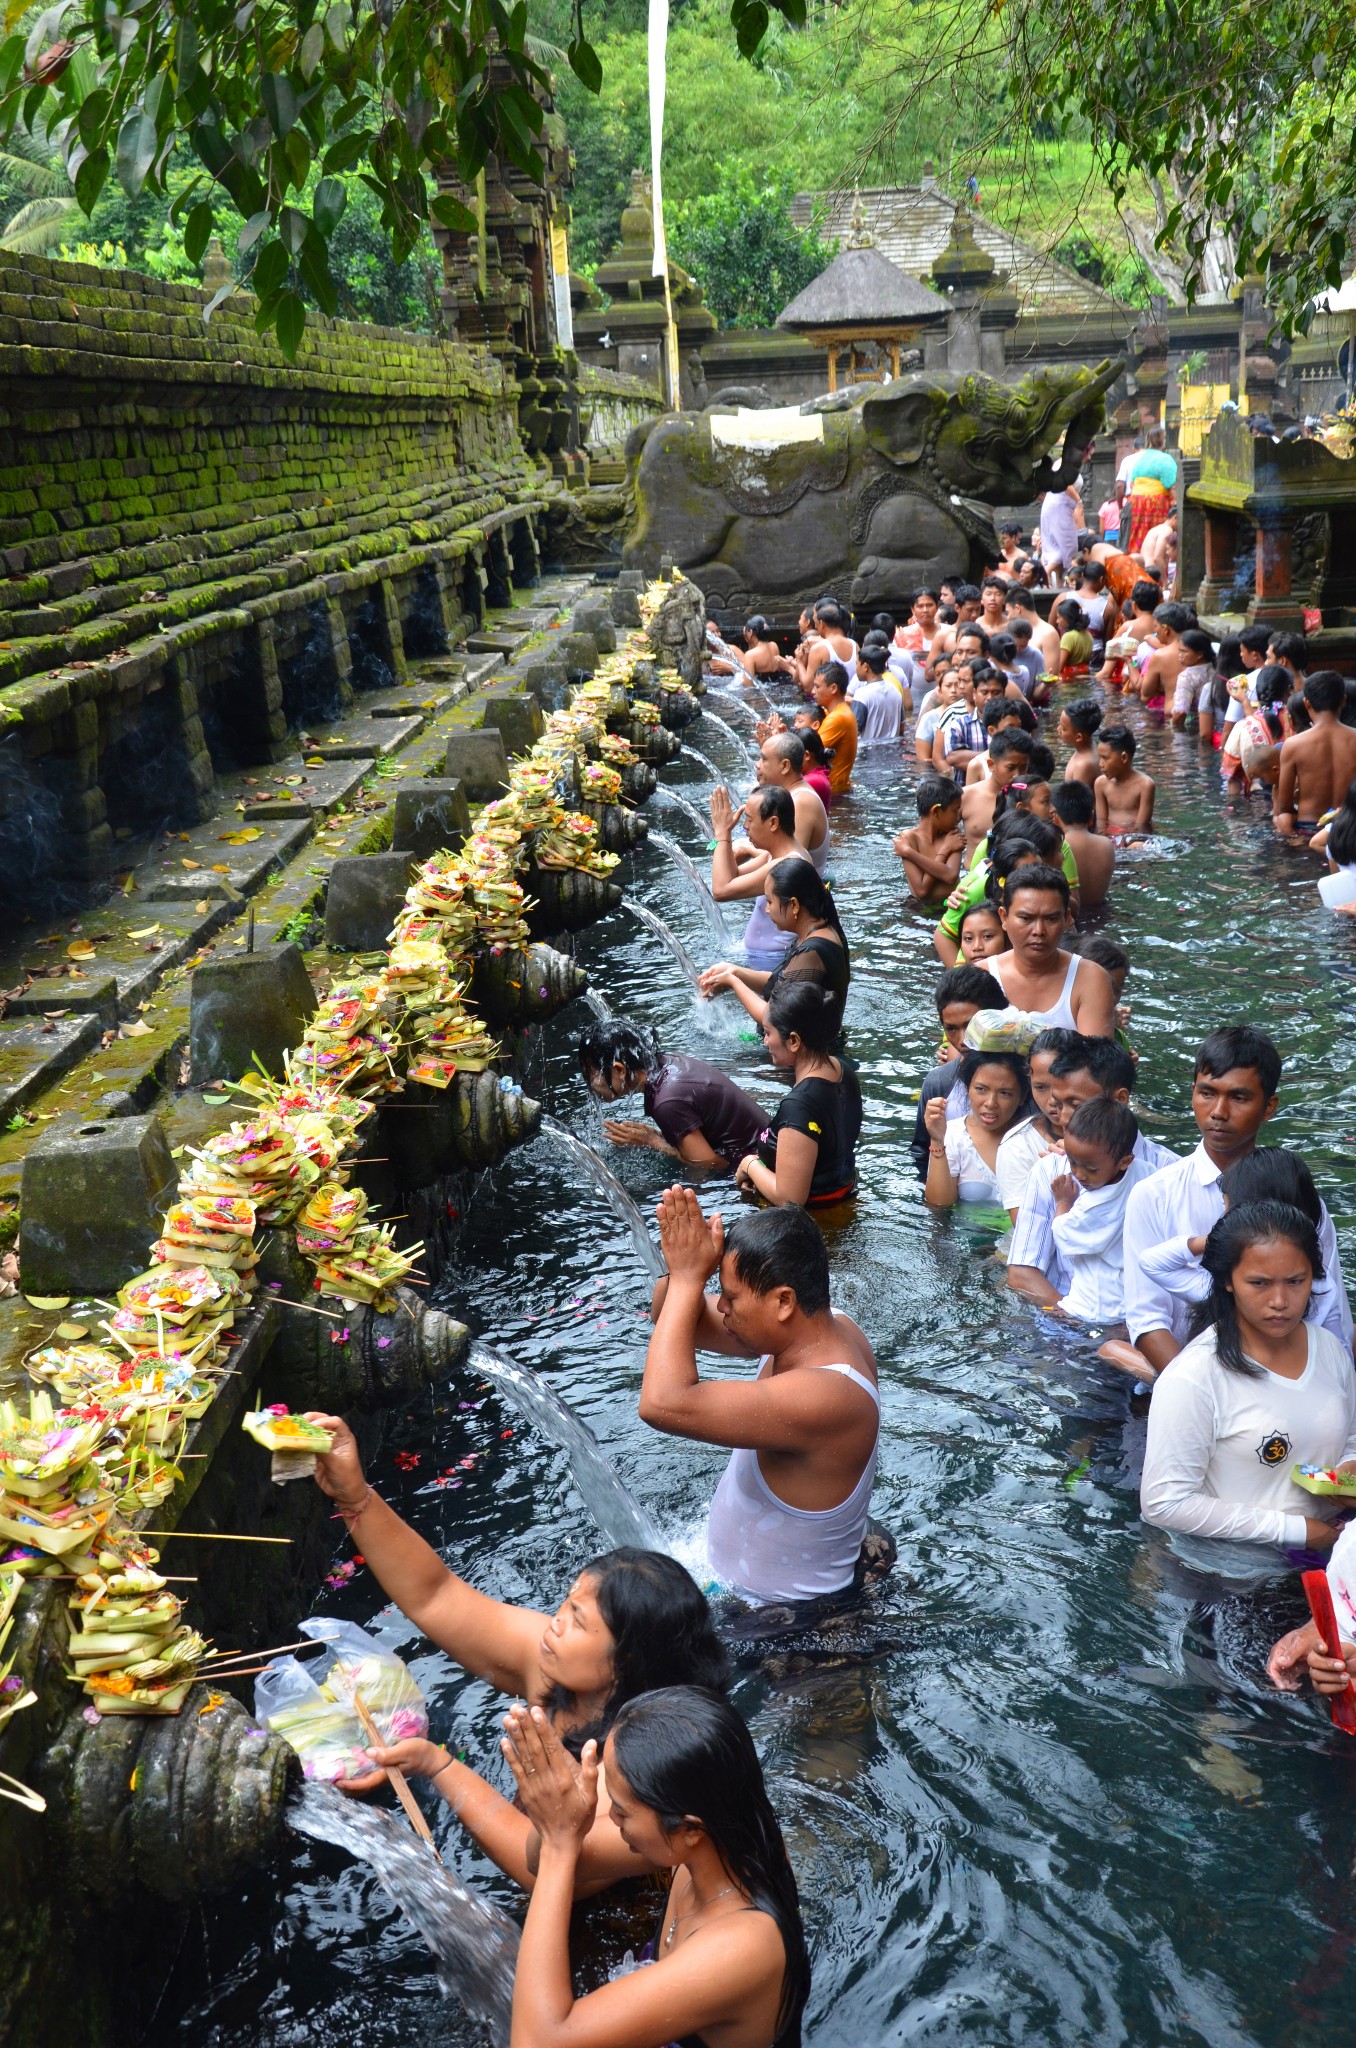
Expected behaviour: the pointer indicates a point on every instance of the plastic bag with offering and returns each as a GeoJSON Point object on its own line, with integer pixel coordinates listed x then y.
{"type": "Point", "coordinates": [1002, 1031]}
{"type": "Point", "coordinates": [311, 1705]}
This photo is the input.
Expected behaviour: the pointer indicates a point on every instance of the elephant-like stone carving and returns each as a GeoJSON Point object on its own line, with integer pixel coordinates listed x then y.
{"type": "Point", "coordinates": [892, 492]}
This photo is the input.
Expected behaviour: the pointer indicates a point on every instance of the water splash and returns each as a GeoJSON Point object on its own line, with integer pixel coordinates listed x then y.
{"type": "Point", "coordinates": [474, 1944]}
{"type": "Point", "coordinates": [611, 1190]}
{"type": "Point", "coordinates": [729, 697]}
{"type": "Point", "coordinates": [689, 810]}
{"type": "Point", "coordinates": [701, 887]}
{"type": "Point", "coordinates": [667, 937]}
{"type": "Point", "coordinates": [695, 754]}
{"type": "Point", "coordinates": [621, 1519]}
{"type": "Point", "coordinates": [599, 1005]}
{"type": "Point", "coordinates": [728, 731]}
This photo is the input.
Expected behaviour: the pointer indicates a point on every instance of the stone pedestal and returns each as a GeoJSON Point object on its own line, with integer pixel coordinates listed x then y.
{"type": "Point", "coordinates": [93, 1197]}
{"type": "Point", "coordinates": [515, 716]}
{"type": "Point", "coordinates": [429, 816]}
{"type": "Point", "coordinates": [247, 1009]}
{"type": "Point", "coordinates": [366, 895]}
{"type": "Point", "coordinates": [478, 760]}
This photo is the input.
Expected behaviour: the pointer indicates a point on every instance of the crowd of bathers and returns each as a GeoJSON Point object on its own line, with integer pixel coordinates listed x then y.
{"type": "Point", "coordinates": [1212, 1280]}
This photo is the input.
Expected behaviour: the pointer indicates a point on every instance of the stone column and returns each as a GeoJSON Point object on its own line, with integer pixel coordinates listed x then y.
{"type": "Point", "coordinates": [1218, 540]}
{"type": "Point", "coordinates": [1274, 603]}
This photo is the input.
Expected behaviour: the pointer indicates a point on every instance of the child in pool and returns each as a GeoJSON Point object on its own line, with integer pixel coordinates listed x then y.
{"type": "Point", "coordinates": [1124, 796]}
{"type": "Point", "coordinates": [1090, 1199]}
{"type": "Point", "coordinates": [1078, 725]}
{"type": "Point", "coordinates": [982, 934]}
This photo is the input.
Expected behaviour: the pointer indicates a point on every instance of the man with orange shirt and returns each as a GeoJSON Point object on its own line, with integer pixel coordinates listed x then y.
{"type": "Point", "coordinates": [839, 728]}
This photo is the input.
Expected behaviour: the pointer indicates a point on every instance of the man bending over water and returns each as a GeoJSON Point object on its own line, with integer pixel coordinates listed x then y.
{"type": "Point", "coordinates": [790, 1512]}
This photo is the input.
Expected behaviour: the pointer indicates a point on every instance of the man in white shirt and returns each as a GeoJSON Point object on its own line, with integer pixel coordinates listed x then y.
{"type": "Point", "coordinates": [1238, 1071]}
{"type": "Point", "coordinates": [877, 704]}
{"type": "Point", "coordinates": [1091, 1067]}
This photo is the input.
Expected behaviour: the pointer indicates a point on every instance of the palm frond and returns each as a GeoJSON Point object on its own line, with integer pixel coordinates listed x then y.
{"type": "Point", "coordinates": [542, 52]}
{"type": "Point", "coordinates": [36, 227]}
{"type": "Point", "coordinates": [36, 176]}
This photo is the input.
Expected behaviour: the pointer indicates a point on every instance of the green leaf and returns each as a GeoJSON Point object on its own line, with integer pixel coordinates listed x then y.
{"type": "Point", "coordinates": [450, 213]}
{"type": "Point", "coordinates": [586, 65]}
{"type": "Point", "coordinates": [137, 145]}
{"type": "Point", "coordinates": [89, 179]}
{"type": "Point", "coordinates": [280, 102]}
{"type": "Point", "coordinates": [315, 271]}
{"type": "Point", "coordinates": [93, 113]}
{"type": "Point", "coordinates": [253, 228]}
{"type": "Point", "coordinates": [198, 230]}
{"type": "Point", "coordinates": [336, 25]}
{"type": "Point", "coordinates": [312, 50]}
{"type": "Point", "coordinates": [293, 227]}
{"type": "Point", "coordinates": [327, 206]}
{"type": "Point", "coordinates": [11, 61]}
{"type": "Point", "coordinates": [291, 323]}
{"type": "Point", "coordinates": [343, 154]}
{"type": "Point", "coordinates": [270, 270]}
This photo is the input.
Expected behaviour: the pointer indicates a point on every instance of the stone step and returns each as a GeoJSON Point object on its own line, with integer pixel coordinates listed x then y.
{"type": "Point", "coordinates": [363, 739]}
{"type": "Point", "coordinates": [36, 1051]}
{"type": "Point", "coordinates": [320, 791]}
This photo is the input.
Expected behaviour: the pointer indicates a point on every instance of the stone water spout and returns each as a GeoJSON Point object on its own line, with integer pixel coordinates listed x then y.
{"type": "Point", "coordinates": [567, 899]}
{"type": "Point", "coordinates": [515, 985]}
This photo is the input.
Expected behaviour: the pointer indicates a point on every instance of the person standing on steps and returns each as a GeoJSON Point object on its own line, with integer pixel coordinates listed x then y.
{"type": "Point", "coordinates": [789, 1515]}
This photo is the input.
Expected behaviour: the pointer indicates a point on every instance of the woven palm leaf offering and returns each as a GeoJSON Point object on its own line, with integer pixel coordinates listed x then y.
{"type": "Point", "coordinates": [294, 1442]}
{"type": "Point", "coordinates": [53, 1495]}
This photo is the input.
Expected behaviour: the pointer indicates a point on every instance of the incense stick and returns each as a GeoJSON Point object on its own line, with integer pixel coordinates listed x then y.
{"type": "Point", "coordinates": [209, 1536]}
{"type": "Point", "coordinates": [397, 1776]}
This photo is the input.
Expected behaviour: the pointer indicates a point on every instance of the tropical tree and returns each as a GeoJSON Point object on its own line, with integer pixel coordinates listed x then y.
{"type": "Point", "coordinates": [30, 174]}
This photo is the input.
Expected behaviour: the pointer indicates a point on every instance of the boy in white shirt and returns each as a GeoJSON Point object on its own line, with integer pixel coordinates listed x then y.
{"type": "Point", "coordinates": [1090, 1199]}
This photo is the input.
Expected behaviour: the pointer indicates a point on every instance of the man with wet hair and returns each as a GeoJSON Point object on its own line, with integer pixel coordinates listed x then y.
{"type": "Point", "coordinates": [790, 1512]}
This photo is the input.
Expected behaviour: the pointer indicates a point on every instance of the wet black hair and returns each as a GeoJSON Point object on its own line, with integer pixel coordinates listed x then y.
{"type": "Point", "coordinates": [781, 1248]}
{"type": "Point", "coordinates": [1146, 596]}
{"type": "Point", "coordinates": [613, 1039]}
{"type": "Point", "coordinates": [1094, 569]}
{"type": "Point", "coordinates": [794, 877]}
{"type": "Point", "coordinates": [1002, 649]}
{"type": "Point", "coordinates": [1240, 1045]}
{"type": "Point", "coordinates": [1001, 745]}
{"type": "Point", "coordinates": [1342, 831]}
{"type": "Point", "coordinates": [688, 1756]}
{"type": "Point", "coordinates": [972, 630]}
{"type": "Point", "coordinates": [874, 655]}
{"type": "Point", "coordinates": [1025, 837]}
{"type": "Point", "coordinates": [1015, 1062]}
{"type": "Point", "coordinates": [830, 613]}
{"type": "Point", "coordinates": [1271, 1174]}
{"type": "Point", "coordinates": [1119, 738]}
{"type": "Point", "coordinates": [1056, 1039]}
{"type": "Point", "coordinates": [1325, 690]}
{"type": "Point", "coordinates": [965, 593]}
{"type": "Point", "coordinates": [1085, 715]}
{"type": "Point", "coordinates": [1255, 639]}
{"type": "Point", "coordinates": [937, 792]}
{"type": "Point", "coordinates": [1300, 720]}
{"type": "Point", "coordinates": [661, 1629]}
{"type": "Point", "coordinates": [1272, 684]}
{"type": "Point", "coordinates": [1040, 877]}
{"type": "Point", "coordinates": [813, 1012]}
{"type": "Point", "coordinates": [1042, 762]}
{"type": "Point", "coordinates": [968, 984]}
{"type": "Point", "coordinates": [1074, 617]}
{"type": "Point", "coordinates": [883, 622]}
{"type": "Point", "coordinates": [1074, 803]}
{"type": "Point", "coordinates": [1019, 629]}
{"type": "Point", "coordinates": [1198, 642]}
{"type": "Point", "coordinates": [1229, 660]}
{"type": "Point", "coordinates": [760, 628]}
{"type": "Point", "coordinates": [1109, 1064]}
{"type": "Point", "coordinates": [834, 674]}
{"type": "Point", "coordinates": [993, 581]}
{"type": "Point", "coordinates": [772, 801]}
{"type": "Point", "coordinates": [1107, 1123]}
{"type": "Point", "coordinates": [1235, 1233]}
{"type": "Point", "coordinates": [1291, 647]}
{"type": "Point", "coordinates": [1176, 617]}
{"type": "Point", "coordinates": [989, 909]}
{"type": "Point", "coordinates": [811, 743]}
{"type": "Point", "coordinates": [925, 591]}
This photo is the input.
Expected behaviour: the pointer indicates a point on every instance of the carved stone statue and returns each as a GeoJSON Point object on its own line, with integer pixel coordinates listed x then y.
{"type": "Point", "coordinates": [869, 493]}
{"type": "Point", "coordinates": [678, 631]}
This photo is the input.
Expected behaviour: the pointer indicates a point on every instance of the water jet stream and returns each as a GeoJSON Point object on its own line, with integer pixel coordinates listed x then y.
{"type": "Point", "coordinates": [474, 1944]}
{"type": "Point", "coordinates": [621, 1519]}
{"type": "Point", "coordinates": [666, 936]}
{"type": "Point", "coordinates": [701, 887]}
{"type": "Point", "coordinates": [680, 802]}
{"type": "Point", "coordinates": [612, 1192]}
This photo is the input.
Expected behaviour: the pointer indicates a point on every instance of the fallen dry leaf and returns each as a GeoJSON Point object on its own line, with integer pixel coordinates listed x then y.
{"type": "Point", "coordinates": [80, 949]}
{"type": "Point", "coordinates": [202, 908]}
{"type": "Point", "coordinates": [145, 932]}
{"type": "Point", "coordinates": [192, 863]}
{"type": "Point", "coordinates": [219, 867]}
{"type": "Point", "coordinates": [138, 1030]}
{"type": "Point", "coordinates": [244, 837]}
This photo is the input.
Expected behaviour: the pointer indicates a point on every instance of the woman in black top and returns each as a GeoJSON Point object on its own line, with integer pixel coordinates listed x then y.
{"type": "Point", "coordinates": [798, 902]}
{"type": "Point", "coordinates": [808, 1155]}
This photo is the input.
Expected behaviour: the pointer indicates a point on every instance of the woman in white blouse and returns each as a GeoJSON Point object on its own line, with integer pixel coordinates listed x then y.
{"type": "Point", "coordinates": [1258, 1391]}
{"type": "Point", "coordinates": [963, 1150]}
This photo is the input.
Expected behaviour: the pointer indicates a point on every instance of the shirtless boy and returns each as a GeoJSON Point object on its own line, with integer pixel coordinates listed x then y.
{"type": "Point", "coordinates": [1316, 766]}
{"type": "Point", "coordinates": [1078, 725]}
{"type": "Point", "coordinates": [1124, 796]}
{"type": "Point", "coordinates": [1094, 854]}
{"type": "Point", "coordinates": [931, 849]}
{"type": "Point", "coordinates": [1044, 638]}
{"type": "Point", "coordinates": [1009, 753]}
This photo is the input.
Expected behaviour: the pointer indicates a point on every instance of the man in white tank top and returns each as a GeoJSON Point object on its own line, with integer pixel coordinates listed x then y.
{"type": "Point", "coordinates": [1038, 976]}
{"type": "Point", "coordinates": [790, 1512]}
